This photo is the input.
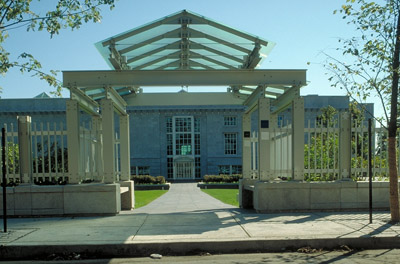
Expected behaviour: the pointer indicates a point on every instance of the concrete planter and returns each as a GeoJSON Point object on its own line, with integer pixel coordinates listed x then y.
{"type": "Point", "coordinates": [71, 199]}
{"type": "Point", "coordinates": [314, 196]}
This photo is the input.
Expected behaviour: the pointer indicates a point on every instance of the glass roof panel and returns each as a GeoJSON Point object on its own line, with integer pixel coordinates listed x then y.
{"type": "Point", "coordinates": [224, 35]}
{"type": "Point", "coordinates": [154, 36]}
{"type": "Point", "coordinates": [146, 35]}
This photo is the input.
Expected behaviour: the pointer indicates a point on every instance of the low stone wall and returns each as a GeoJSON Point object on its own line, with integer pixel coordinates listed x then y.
{"type": "Point", "coordinates": [70, 199]}
{"type": "Point", "coordinates": [316, 196]}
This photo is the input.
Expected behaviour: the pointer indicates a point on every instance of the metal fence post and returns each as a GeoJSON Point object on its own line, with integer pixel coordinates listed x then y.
{"type": "Point", "coordinates": [345, 146]}
{"type": "Point", "coordinates": [4, 180]}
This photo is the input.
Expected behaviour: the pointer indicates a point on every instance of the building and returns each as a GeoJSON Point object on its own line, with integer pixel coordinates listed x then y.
{"type": "Point", "coordinates": [197, 137]}
{"type": "Point", "coordinates": [182, 135]}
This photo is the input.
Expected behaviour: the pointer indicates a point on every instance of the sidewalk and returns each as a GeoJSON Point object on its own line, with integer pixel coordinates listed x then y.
{"type": "Point", "coordinates": [187, 221]}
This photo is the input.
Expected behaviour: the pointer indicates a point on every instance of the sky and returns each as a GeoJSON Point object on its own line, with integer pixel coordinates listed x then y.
{"type": "Point", "coordinates": [302, 30]}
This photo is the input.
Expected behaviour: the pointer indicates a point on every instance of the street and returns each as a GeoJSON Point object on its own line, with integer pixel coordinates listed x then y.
{"type": "Point", "coordinates": [316, 256]}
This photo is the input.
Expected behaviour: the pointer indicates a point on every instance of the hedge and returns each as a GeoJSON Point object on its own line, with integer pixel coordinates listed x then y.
{"type": "Point", "coordinates": [222, 178]}
{"type": "Point", "coordinates": [147, 179]}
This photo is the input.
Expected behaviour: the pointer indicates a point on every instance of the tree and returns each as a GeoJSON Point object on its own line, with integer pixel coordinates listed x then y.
{"type": "Point", "coordinates": [62, 14]}
{"type": "Point", "coordinates": [371, 68]}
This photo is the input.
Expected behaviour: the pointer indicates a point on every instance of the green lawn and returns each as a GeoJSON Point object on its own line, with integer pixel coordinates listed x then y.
{"type": "Point", "coordinates": [143, 198]}
{"type": "Point", "coordinates": [227, 196]}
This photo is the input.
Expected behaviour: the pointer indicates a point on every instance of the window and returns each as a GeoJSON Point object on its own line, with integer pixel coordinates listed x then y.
{"type": "Point", "coordinates": [197, 125]}
{"type": "Point", "coordinates": [230, 120]}
{"type": "Point", "coordinates": [197, 144]}
{"type": "Point", "coordinates": [223, 169]}
{"type": "Point", "coordinates": [183, 144]}
{"type": "Point", "coordinates": [236, 169]}
{"type": "Point", "coordinates": [230, 140]}
{"type": "Point", "coordinates": [229, 169]}
{"type": "Point", "coordinates": [140, 170]}
{"type": "Point", "coordinates": [169, 124]}
{"type": "Point", "coordinates": [170, 167]}
{"type": "Point", "coordinates": [197, 163]}
{"type": "Point", "coordinates": [183, 124]}
{"type": "Point", "coordinates": [169, 145]}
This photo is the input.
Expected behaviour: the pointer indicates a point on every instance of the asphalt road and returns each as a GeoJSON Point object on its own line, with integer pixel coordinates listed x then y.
{"type": "Point", "coordinates": [312, 256]}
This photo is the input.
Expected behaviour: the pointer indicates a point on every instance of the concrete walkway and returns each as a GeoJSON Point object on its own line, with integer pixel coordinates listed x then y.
{"type": "Point", "coordinates": [183, 198]}
{"type": "Point", "coordinates": [187, 221]}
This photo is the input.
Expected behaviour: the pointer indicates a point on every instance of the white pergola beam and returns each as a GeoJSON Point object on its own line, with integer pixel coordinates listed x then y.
{"type": "Point", "coordinates": [85, 102]}
{"type": "Point", "coordinates": [252, 99]}
{"type": "Point", "coordinates": [286, 99]}
{"type": "Point", "coordinates": [118, 102]}
{"type": "Point", "coordinates": [184, 77]}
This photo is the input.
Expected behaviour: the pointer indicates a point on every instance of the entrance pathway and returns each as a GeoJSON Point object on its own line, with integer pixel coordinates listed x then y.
{"type": "Point", "coordinates": [183, 198]}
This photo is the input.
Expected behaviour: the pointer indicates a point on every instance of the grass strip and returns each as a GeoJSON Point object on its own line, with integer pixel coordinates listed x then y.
{"type": "Point", "coordinates": [143, 198]}
{"type": "Point", "coordinates": [227, 196]}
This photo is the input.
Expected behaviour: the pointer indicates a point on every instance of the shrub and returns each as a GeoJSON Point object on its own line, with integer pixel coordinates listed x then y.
{"type": "Point", "coordinates": [222, 178]}
{"type": "Point", "coordinates": [147, 179]}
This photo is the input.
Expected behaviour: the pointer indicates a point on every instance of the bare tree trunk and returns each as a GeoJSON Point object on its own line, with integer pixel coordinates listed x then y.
{"type": "Point", "coordinates": [392, 129]}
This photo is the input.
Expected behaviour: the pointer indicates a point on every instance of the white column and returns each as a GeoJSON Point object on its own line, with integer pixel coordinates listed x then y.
{"type": "Point", "coordinates": [125, 148]}
{"type": "Point", "coordinates": [25, 153]}
{"type": "Point", "coordinates": [246, 148]}
{"type": "Point", "coordinates": [98, 155]}
{"type": "Point", "coordinates": [345, 146]}
{"type": "Point", "coordinates": [73, 141]}
{"type": "Point", "coordinates": [298, 139]}
{"type": "Point", "coordinates": [107, 112]}
{"type": "Point", "coordinates": [264, 116]}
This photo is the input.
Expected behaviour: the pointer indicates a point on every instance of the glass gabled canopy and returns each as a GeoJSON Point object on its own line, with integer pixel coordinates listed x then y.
{"type": "Point", "coordinates": [184, 40]}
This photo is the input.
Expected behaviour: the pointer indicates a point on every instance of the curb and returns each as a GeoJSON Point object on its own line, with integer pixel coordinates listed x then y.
{"type": "Point", "coordinates": [145, 249]}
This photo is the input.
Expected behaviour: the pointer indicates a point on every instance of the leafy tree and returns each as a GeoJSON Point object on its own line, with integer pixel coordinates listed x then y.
{"type": "Point", "coordinates": [371, 68]}
{"type": "Point", "coordinates": [61, 14]}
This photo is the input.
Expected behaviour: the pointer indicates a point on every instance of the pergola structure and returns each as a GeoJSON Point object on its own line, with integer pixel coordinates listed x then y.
{"type": "Point", "coordinates": [186, 49]}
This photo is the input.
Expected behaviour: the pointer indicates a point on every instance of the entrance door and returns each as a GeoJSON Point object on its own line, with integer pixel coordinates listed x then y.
{"type": "Point", "coordinates": [184, 170]}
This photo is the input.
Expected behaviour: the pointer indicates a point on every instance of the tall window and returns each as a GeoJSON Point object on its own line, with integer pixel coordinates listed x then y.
{"type": "Point", "coordinates": [230, 143]}
{"type": "Point", "coordinates": [183, 139]}
{"type": "Point", "coordinates": [230, 121]}
{"type": "Point", "coordinates": [183, 136]}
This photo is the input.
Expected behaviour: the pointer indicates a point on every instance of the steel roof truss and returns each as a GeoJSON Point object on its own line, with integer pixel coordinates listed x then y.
{"type": "Point", "coordinates": [214, 61]}
{"type": "Point", "coordinates": [172, 55]}
{"type": "Point", "coordinates": [198, 34]}
{"type": "Point", "coordinates": [175, 63]}
{"type": "Point", "coordinates": [195, 45]}
{"type": "Point", "coordinates": [174, 45]}
{"type": "Point", "coordinates": [198, 64]}
{"type": "Point", "coordinates": [171, 34]}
